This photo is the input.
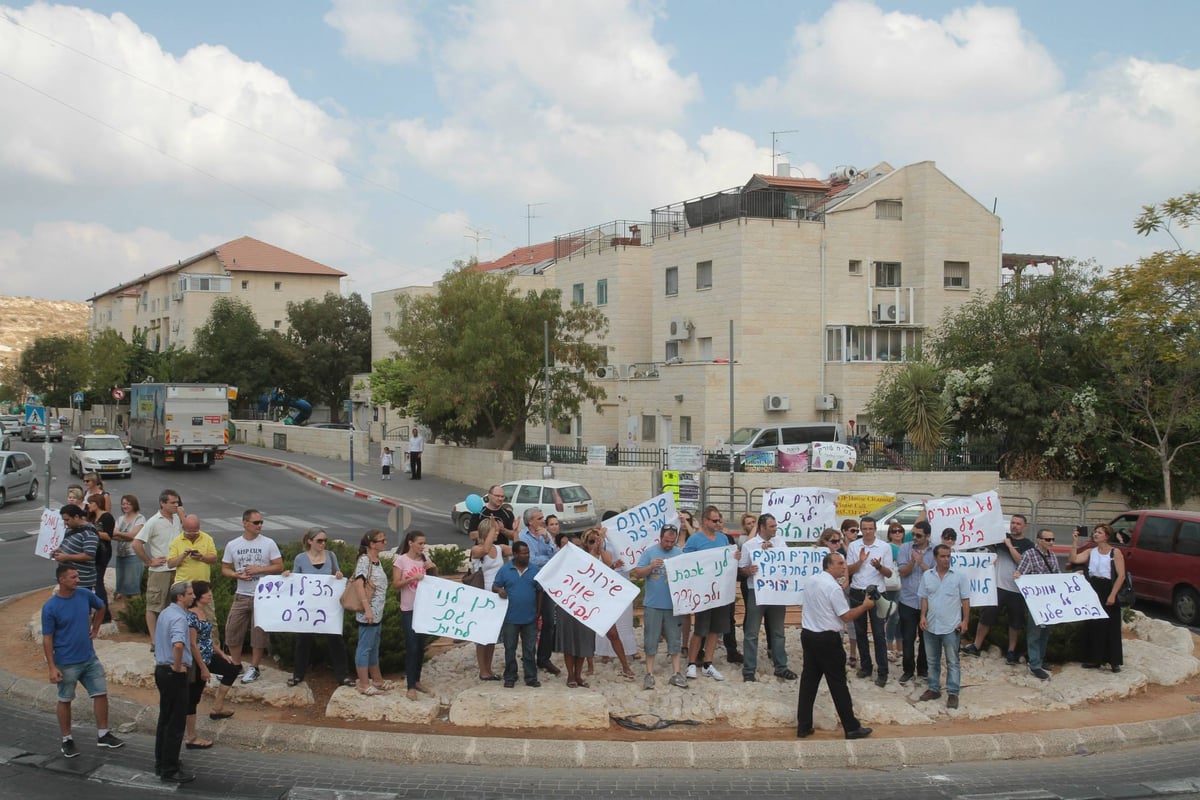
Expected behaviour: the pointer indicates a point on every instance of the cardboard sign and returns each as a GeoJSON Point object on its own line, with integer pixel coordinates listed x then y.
{"type": "Point", "coordinates": [1060, 597]}
{"type": "Point", "coordinates": [586, 589]}
{"type": "Point", "coordinates": [977, 519]}
{"type": "Point", "coordinates": [979, 571]}
{"type": "Point", "coordinates": [783, 573]}
{"type": "Point", "coordinates": [632, 531]}
{"type": "Point", "coordinates": [801, 513]}
{"type": "Point", "coordinates": [299, 603]}
{"type": "Point", "coordinates": [702, 580]}
{"type": "Point", "coordinates": [51, 531]}
{"type": "Point", "coordinates": [833, 457]}
{"type": "Point", "coordinates": [450, 608]}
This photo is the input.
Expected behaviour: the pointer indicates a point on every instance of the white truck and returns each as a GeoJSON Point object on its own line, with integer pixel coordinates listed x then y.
{"type": "Point", "coordinates": [179, 424]}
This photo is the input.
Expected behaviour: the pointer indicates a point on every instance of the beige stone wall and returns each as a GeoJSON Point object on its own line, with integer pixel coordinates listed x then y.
{"type": "Point", "coordinates": [326, 442]}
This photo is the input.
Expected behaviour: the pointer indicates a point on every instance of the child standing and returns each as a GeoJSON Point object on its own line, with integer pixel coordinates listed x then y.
{"type": "Point", "coordinates": [385, 462]}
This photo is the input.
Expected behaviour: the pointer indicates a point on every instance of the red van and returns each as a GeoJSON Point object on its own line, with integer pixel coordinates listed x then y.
{"type": "Point", "coordinates": [1162, 550]}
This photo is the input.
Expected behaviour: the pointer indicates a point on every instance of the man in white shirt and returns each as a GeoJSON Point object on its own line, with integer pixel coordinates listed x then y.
{"type": "Point", "coordinates": [763, 539]}
{"type": "Point", "coordinates": [869, 563]}
{"type": "Point", "coordinates": [247, 559]}
{"type": "Point", "coordinates": [416, 446]}
{"type": "Point", "coordinates": [153, 546]}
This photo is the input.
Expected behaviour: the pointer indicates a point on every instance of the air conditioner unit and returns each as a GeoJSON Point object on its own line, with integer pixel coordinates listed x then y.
{"type": "Point", "coordinates": [177, 295]}
{"type": "Point", "coordinates": [890, 312]}
{"type": "Point", "coordinates": [680, 328]}
{"type": "Point", "coordinates": [674, 360]}
{"type": "Point", "coordinates": [606, 373]}
{"type": "Point", "coordinates": [826, 402]}
{"type": "Point", "coordinates": [776, 402]}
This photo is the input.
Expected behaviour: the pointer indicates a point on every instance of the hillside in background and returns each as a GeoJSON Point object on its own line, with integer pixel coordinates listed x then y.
{"type": "Point", "coordinates": [24, 319]}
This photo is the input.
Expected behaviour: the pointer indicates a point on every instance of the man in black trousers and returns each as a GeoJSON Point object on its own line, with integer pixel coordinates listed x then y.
{"type": "Point", "coordinates": [173, 661]}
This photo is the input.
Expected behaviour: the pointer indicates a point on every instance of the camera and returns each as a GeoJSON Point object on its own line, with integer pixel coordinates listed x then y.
{"type": "Point", "coordinates": [873, 593]}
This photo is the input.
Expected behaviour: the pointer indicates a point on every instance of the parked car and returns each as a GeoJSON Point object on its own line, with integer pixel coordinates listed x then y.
{"type": "Point", "coordinates": [570, 502]}
{"type": "Point", "coordinates": [101, 453]}
{"type": "Point", "coordinates": [11, 424]}
{"type": "Point", "coordinates": [770, 435]}
{"type": "Point", "coordinates": [37, 431]}
{"type": "Point", "coordinates": [1162, 550]}
{"type": "Point", "coordinates": [16, 476]}
{"type": "Point", "coordinates": [5, 441]}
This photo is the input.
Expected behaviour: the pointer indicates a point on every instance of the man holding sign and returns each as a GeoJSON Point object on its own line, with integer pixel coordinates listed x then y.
{"type": "Point", "coordinates": [764, 539]}
{"type": "Point", "coordinates": [659, 618]}
{"type": "Point", "coordinates": [1036, 561]}
{"type": "Point", "coordinates": [1008, 596]}
{"type": "Point", "coordinates": [712, 622]}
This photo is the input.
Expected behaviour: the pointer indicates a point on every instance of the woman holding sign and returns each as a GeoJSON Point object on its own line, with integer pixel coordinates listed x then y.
{"type": "Point", "coordinates": [1106, 574]}
{"type": "Point", "coordinates": [593, 543]}
{"type": "Point", "coordinates": [411, 567]}
{"type": "Point", "coordinates": [316, 560]}
{"type": "Point", "coordinates": [488, 556]}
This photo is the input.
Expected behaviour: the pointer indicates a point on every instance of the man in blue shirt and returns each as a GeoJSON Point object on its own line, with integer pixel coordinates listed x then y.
{"type": "Point", "coordinates": [541, 550]}
{"type": "Point", "coordinates": [945, 612]}
{"type": "Point", "coordinates": [514, 582]}
{"type": "Point", "coordinates": [172, 661]}
{"type": "Point", "coordinates": [712, 622]}
{"type": "Point", "coordinates": [659, 615]}
{"type": "Point", "coordinates": [913, 561]}
{"type": "Point", "coordinates": [68, 627]}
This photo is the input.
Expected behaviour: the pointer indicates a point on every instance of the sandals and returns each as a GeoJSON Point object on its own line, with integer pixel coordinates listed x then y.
{"type": "Point", "coordinates": [294, 681]}
{"type": "Point", "coordinates": [220, 715]}
{"type": "Point", "coordinates": [584, 684]}
{"type": "Point", "coordinates": [370, 691]}
{"type": "Point", "coordinates": [572, 685]}
{"type": "Point", "coordinates": [349, 682]}
{"type": "Point", "coordinates": [411, 694]}
{"type": "Point", "coordinates": [489, 677]}
{"type": "Point", "coordinates": [384, 686]}
{"type": "Point", "coordinates": [628, 675]}
{"type": "Point", "coordinates": [198, 744]}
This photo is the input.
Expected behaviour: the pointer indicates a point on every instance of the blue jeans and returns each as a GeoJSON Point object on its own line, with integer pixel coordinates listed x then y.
{"type": "Point", "coordinates": [938, 645]}
{"type": "Point", "coordinates": [366, 654]}
{"type": "Point", "coordinates": [89, 673]}
{"type": "Point", "coordinates": [775, 641]}
{"type": "Point", "coordinates": [414, 650]}
{"type": "Point", "coordinates": [1036, 637]}
{"type": "Point", "coordinates": [509, 632]}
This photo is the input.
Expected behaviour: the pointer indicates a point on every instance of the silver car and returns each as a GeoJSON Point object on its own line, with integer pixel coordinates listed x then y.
{"type": "Point", "coordinates": [16, 476]}
{"type": "Point", "coordinates": [38, 431]}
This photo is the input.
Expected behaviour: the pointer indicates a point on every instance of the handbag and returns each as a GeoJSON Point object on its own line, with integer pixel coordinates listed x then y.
{"type": "Point", "coordinates": [350, 598]}
{"type": "Point", "coordinates": [474, 577]}
{"type": "Point", "coordinates": [1126, 596]}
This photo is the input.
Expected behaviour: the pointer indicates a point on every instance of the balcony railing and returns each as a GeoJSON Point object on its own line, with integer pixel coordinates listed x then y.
{"type": "Point", "coordinates": [601, 238]}
{"type": "Point", "coordinates": [734, 204]}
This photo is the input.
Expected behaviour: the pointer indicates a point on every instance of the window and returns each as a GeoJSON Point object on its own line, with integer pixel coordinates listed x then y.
{"type": "Point", "coordinates": [548, 496]}
{"type": "Point", "coordinates": [888, 209]}
{"type": "Point", "coordinates": [769, 438]}
{"type": "Point", "coordinates": [1188, 543]}
{"type": "Point", "coordinates": [245, 285]}
{"type": "Point", "coordinates": [602, 292]}
{"type": "Point", "coordinates": [1157, 534]}
{"type": "Point", "coordinates": [703, 275]}
{"type": "Point", "coordinates": [387, 318]}
{"type": "Point", "coordinates": [956, 275]}
{"type": "Point", "coordinates": [855, 267]}
{"type": "Point", "coordinates": [528, 495]}
{"type": "Point", "coordinates": [706, 351]}
{"type": "Point", "coordinates": [278, 324]}
{"type": "Point", "coordinates": [154, 305]}
{"type": "Point", "coordinates": [278, 285]}
{"type": "Point", "coordinates": [563, 425]}
{"type": "Point", "coordinates": [847, 343]}
{"type": "Point", "coordinates": [672, 281]}
{"type": "Point", "coordinates": [685, 430]}
{"type": "Point", "coordinates": [672, 351]}
{"type": "Point", "coordinates": [577, 294]}
{"type": "Point", "coordinates": [834, 338]}
{"type": "Point", "coordinates": [207, 283]}
{"type": "Point", "coordinates": [887, 273]}
{"type": "Point", "coordinates": [647, 427]}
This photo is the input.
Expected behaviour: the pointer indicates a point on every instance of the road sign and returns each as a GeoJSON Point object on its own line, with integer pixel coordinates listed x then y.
{"type": "Point", "coordinates": [118, 394]}
{"type": "Point", "coordinates": [77, 397]}
{"type": "Point", "coordinates": [399, 518]}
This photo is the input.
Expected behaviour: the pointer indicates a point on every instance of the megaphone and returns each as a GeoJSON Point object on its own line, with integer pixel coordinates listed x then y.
{"type": "Point", "coordinates": [884, 607]}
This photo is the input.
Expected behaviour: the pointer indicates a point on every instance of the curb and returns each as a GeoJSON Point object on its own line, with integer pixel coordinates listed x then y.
{"type": "Point", "coordinates": [318, 478]}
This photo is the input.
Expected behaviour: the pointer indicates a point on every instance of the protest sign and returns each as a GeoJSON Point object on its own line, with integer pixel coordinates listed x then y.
{"type": "Point", "coordinates": [977, 519]}
{"type": "Point", "coordinates": [299, 603]}
{"type": "Point", "coordinates": [702, 580]}
{"type": "Point", "coordinates": [51, 530]}
{"type": "Point", "coordinates": [586, 589]}
{"type": "Point", "coordinates": [1060, 597]}
{"type": "Point", "coordinates": [854, 504]}
{"type": "Point", "coordinates": [450, 608]}
{"type": "Point", "coordinates": [783, 572]}
{"type": "Point", "coordinates": [833, 457]}
{"type": "Point", "coordinates": [801, 513]}
{"type": "Point", "coordinates": [979, 571]}
{"type": "Point", "coordinates": [792, 457]}
{"type": "Point", "coordinates": [632, 531]}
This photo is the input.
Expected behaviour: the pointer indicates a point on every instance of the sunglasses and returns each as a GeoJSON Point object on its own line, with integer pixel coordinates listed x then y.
{"type": "Point", "coordinates": [379, 541]}
{"type": "Point", "coordinates": [671, 528]}
{"type": "Point", "coordinates": [320, 541]}
{"type": "Point", "coordinates": [835, 541]}
{"type": "Point", "coordinates": [1046, 538]}
{"type": "Point", "coordinates": [255, 521]}
{"type": "Point", "coordinates": [853, 530]}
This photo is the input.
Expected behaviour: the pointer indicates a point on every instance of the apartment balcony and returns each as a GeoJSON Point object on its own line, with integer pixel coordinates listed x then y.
{"type": "Point", "coordinates": [602, 238]}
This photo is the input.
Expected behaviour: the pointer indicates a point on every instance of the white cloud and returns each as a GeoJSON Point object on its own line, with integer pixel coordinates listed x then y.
{"type": "Point", "coordinates": [62, 126]}
{"type": "Point", "coordinates": [384, 31]}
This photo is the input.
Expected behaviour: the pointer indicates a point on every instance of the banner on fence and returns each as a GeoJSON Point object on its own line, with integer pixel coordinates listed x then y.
{"type": "Point", "coordinates": [783, 573]}
{"type": "Point", "coordinates": [833, 457]}
{"type": "Point", "coordinates": [977, 519]}
{"type": "Point", "coordinates": [855, 504]}
{"type": "Point", "coordinates": [453, 609]}
{"type": "Point", "coordinates": [792, 457]}
{"type": "Point", "coordinates": [979, 570]}
{"type": "Point", "coordinates": [632, 531]}
{"type": "Point", "coordinates": [685, 457]}
{"type": "Point", "coordinates": [1060, 597]}
{"type": "Point", "coordinates": [586, 589]}
{"type": "Point", "coordinates": [597, 455]}
{"type": "Point", "coordinates": [702, 580]}
{"type": "Point", "coordinates": [299, 603]}
{"type": "Point", "coordinates": [51, 530]}
{"type": "Point", "coordinates": [802, 513]}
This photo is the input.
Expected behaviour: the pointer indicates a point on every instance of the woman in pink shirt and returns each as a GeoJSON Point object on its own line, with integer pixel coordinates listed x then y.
{"type": "Point", "coordinates": [409, 569]}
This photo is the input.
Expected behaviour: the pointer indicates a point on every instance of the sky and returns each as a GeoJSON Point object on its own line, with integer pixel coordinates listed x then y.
{"type": "Point", "coordinates": [389, 138]}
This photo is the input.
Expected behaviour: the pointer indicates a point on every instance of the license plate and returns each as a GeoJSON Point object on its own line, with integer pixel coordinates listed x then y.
{"type": "Point", "coordinates": [109, 469]}
{"type": "Point", "coordinates": [581, 509]}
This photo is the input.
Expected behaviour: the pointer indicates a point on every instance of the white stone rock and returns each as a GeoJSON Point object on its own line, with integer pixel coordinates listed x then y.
{"type": "Point", "coordinates": [525, 707]}
{"type": "Point", "coordinates": [391, 706]}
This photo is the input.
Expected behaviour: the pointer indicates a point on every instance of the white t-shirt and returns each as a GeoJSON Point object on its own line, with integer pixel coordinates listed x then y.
{"type": "Point", "coordinates": [867, 575]}
{"type": "Point", "coordinates": [156, 536]}
{"type": "Point", "coordinates": [257, 552]}
{"type": "Point", "coordinates": [824, 604]}
{"type": "Point", "coordinates": [416, 444]}
{"type": "Point", "coordinates": [756, 542]}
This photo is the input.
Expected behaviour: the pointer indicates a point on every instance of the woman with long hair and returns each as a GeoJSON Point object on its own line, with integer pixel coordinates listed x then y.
{"type": "Point", "coordinates": [370, 619]}
{"type": "Point", "coordinates": [891, 631]}
{"type": "Point", "coordinates": [129, 566]}
{"type": "Point", "coordinates": [105, 524]}
{"type": "Point", "coordinates": [593, 544]}
{"type": "Point", "coordinates": [317, 560]}
{"type": "Point", "coordinates": [411, 567]}
{"type": "Point", "coordinates": [1106, 574]}
{"type": "Point", "coordinates": [488, 556]}
{"type": "Point", "coordinates": [209, 660]}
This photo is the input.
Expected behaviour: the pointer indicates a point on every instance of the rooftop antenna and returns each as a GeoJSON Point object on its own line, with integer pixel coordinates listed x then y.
{"type": "Point", "coordinates": [529, 218]}
{"type": "Point", "coordinates": [476, 234]}
{"type": "Point", "coordinates": [774, 136]}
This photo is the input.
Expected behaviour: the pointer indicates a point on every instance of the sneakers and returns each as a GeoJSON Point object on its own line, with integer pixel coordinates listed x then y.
{"type": "Point", "coordinates": [971, 650]}
{"type": "Point", "coordinates": [678, 681]}
{"type": "Point", "coordinates": [1040, 674]}
{"type": "Point", "coordinates": [1011, 658]}
{"type": "Point", "coordinates": [69, 750]}
{"type": "Point", "coordinates": [952, 701]}
{"type": "Point", "coordinates": [711, 672]}
{"type": "Point", "coordinates": [749, 677]}
{"type": "Point", "coordinates": [251, 675]}
{"type": "Point", "coordinates": [648, 681]}
{"type": "Point", "coordinates": [109, 741]}
{"type": "Point", "coordinates": [691, 672]}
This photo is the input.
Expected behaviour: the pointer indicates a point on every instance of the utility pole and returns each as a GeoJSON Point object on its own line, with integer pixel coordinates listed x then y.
{"type": "Point", "coordinates": [529, 218]}
{"type": "Point", "coordinates": [477, 234]}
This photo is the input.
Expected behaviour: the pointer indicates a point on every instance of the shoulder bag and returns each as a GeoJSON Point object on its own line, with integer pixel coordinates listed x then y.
{"type": "Point", "coordinates": [350, 598]}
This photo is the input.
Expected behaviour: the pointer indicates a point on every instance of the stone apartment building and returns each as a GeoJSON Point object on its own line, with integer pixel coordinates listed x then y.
{"type": "Point", "coordinates": [172, 302]}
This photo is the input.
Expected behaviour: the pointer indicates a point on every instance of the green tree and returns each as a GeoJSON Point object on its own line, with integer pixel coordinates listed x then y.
{"type": "Point", "coordinates": [908, 403]}
{"type": "Point", "coordinates": [472, 358]}
{"type": "Point", "coordinates": [332, 338]}
{"type": "Point", "coordinates": [55, 367]}
{"type": "Point", "coordinates": [109, 356]}
{"type": "Point", "coordinates": [231, 348]}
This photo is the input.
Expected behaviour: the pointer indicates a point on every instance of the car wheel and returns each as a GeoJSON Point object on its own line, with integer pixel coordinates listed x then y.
{"type": "Point", "coordinates": [33, 487]}
{"type": "Point", "coordinates": [1186, 605]}
{"type": "Point", "coordinates": [464, 524]}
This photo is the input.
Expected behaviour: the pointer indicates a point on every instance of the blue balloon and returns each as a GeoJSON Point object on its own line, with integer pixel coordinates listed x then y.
{"type": "Point", "coordinates": [474, 503]}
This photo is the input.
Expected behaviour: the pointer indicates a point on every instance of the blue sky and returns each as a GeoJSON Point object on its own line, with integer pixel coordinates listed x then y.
{"type": "Point", "coordinates": [378, 135]}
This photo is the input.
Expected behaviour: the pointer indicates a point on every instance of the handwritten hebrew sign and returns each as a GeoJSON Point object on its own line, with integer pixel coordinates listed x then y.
{"type": "Point", "coordinates": [632, 531]}
{"type": "Point", "coordinates": [586, 589]}
{"type": "Point", "coordinates": [977, 519]}
{"type": "Point", "coordinates": [979, 571]}
{"type": "Point", "coordinates": [783, 573]}
{"type": "Point", "coordinates": [299, 603]}
{"type": "Point", "coordinates": [1060, 597]}
{"type": "Point", "coordinates": [50, 533]}
{"type": "Point", "coordinates": [450, 608]}
{"type": "Point", "coordinates": [702, 580]}
{"type": "Point", "coordinates": [802, 513]}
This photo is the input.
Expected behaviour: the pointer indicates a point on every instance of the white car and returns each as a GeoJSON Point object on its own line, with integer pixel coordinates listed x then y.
{"type": "Point", "coordinates": [11, 424]}
{"type": "Point", "coordinates": [570, 502]}
{"type": "Point", "coordinates": [102, 453]}
{"type": "Point", "coordinates": [18, 477]}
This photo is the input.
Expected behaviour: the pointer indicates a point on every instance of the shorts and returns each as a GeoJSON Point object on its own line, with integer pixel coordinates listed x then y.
{"type": "Point", "coordinates": [89, 673]}
{"type": "Point", "coordinates": [1012, 602]}
{"type": "Point", "coordinates": [655, 623]}
{"type": "Point", "coordinates": [158, 589]}
{"type": "Point", "coordinates": [713, 620]}
{"type": "Point", "coordinates": [241, 617]}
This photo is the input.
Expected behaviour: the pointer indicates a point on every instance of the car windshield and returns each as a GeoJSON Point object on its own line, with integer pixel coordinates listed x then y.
{"type": "Point", "coordinates": [103, 443]}
{"type": "Point", "coordinates": [883, 512]}
{"type": "Point", "coordinates": [744, 435]}
{"type": "Point", "coordinates": [574, 494]}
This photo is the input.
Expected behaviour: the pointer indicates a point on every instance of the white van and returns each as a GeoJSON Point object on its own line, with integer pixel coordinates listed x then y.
{"type": "Point", "coordinates": [769, 436]}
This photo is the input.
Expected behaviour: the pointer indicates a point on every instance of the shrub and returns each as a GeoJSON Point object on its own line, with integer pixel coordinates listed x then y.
{"type": "Point", "coordinates": [448, 558]}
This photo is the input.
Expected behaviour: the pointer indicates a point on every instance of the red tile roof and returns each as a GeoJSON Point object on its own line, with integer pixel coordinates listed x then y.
{"type": "Point", "coordinates": [521, 257]}
{"type": "Point", "coordinates": [251, 255]}
{"type": "Point", "coordinates": [777, 182]}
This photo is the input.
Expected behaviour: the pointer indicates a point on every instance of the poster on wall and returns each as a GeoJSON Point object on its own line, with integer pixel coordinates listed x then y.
{"type": "Point", "coordinates": [792, 457]}
{"type": "Point", "coordinates": [833, 457]}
